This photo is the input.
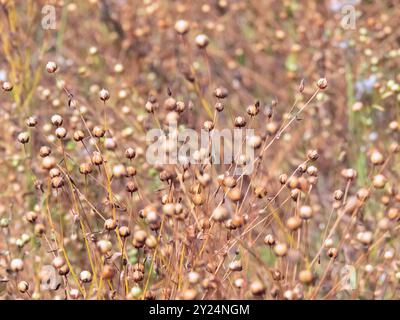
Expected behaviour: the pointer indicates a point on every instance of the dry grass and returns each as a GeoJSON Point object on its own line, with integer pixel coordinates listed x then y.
{"type": "Point", "coordinates": [84, 215]}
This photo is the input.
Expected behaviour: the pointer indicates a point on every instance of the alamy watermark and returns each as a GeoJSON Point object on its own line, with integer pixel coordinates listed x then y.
{"type": "Point", "coordinates": [186, 146]}
{"type": "Point", "coordinates": [48, 17]}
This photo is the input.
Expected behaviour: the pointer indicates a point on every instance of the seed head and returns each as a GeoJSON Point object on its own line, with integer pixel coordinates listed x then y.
{"type": "Point", "coordinates": [240, 122]}
{"type": "Point", "coordinates": [306, 276]}
{"type": "Point", "coordinates": [322, 83]}
{"type": "Point", "coordinates": [306, 212]}
{"type": "Point", "coordinates": [110, 224]}
{"type": "Point", "coordinates": [104, 95]}
{"type": "Point", "coordinates": [58, 262]}
{"type": "Point", "coordinates": [257, 288]}
{"type": "Point", "coordinates": [23, 286]}
{"type": "Point", "coordinates": [56, 120]}
{"type": "Point", "coordinates": [85, 276]}
{"type": "Point", "coordinates": [202, 41]}
{"type": "Point", "coordinates": [61, 132]}
{"type": "Point", "coordinates": [221, 92]}
{"type": "Point", "coordinates": [377, 158]}
{"type": "Point", "coordinates": [79, 135]}
{"type": "Point", "coordinates": [312, 155]}
{"type": "Point", "coordinates": [280, 249]}
{"type": "Point", "coordinates": [51, 67]}
{"type": "Point", "coordinates": [31, 216]}
{"type": "Point", "coordinates": [23, 137]}
{"type": "Point", "coordinates": [31, 122]}
{"type": "Point", "coordinates": [16, 265]}
{"type": "Point", "coordinates": [124, 231]}
{"type": "Point", "coordinates": [7, 86]}
{"type": "Point", "coordinates": [130, 153]}
{"type": "Point", "coordinates": [220, 214]}
{"type": "Point", "coordinates": [379, 181]}
{"type": "Point", "coordinates": [182, 27]}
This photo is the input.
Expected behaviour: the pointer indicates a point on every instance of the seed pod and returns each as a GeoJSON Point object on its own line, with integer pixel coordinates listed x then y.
{"type": "Point", "coordinates": [322, 83]}
{"type": "Point", "coordinates": [85, 276]}
{"type": "Point", "coordinates": [272, 128]}
{"type": "Point", "coordinates": [221, 92]}
{"type": "Point", "coordinates": [365, 237]}
{"type": "Point", "coordinates": [393, 213]}
{"type": "Point", "coordinates": [130, 171]}
{"type": "Point", "coordinates": [169, 209]}
{"type": "Point", "coordinates": [61, 132]}
{"type": "Point", "coordinates": [23, 286]}
{"type": "Point", "coordinates": [56, 120]}
{"type": "Point", "coordinates": [254, 141]}
{"type": "Point", "coordinates": [104, 95]}
{"type": "Point", "coordinates": [235, 265]}
{"type": "Point", "coordinates": [283, 178]}
{"type": "Point", "coordinates": [23, 137]}
{"type": "Point", "coordinates": [108, 272]}
{"type": "Point", "coordinates": [110, 224]}
{"type": "Point", "coordinates": [306, 212]}
{"type": "Point", "coordinates": [16, 265]}
{"type": "Point", "coordinates": [130, 153]}
{"type": "Point", "coordinates": [97, 159]}
{"type": "Point", "coordinates": [180, 106]}
{"type": "Point", "coordinates": [31, 216]}
{"type": "Point", "coordinates": [7, 86]}
{"type": "Point", "coordinates": [104, 246]}
{"type": "Point", "coordinates": [240, 122]}
{"type": "Point", "coordinates": [312, 155]}
{"type": "Point", "coordinates": [198, 199]}
{"type": "Point", "coordinates": [306, 276]}
{"type": "Point", "coordinates": [379, 181]}
{"type": "Point", "coordinates": [124, 231]}
{"type": "Point", "coordinates": [44, 151]}
{"type": "Point", "coordinates": [363, 194]}
{"type": "Point", "coordinates": [312, 171]}
{"type": "Point", "coordinates": [280, 249]}
{"type": "Point", "coordinates": [237, 221]}
{"type": "Point", "coordinates": [151, 242]}
{"type": "Point", "coordinates": [31, 122]}
{"type": "Point", "coordinates": [257, 288]}
{"type": "Point", "coordinates": [235, 194]}
{"type": "Point", "coordinates": [208, 125]}
{"type": "Point", "coordinates": [57, 182]}
{"type": "Point", "coordinates": [219, 106]}
{"type": "Point", "coordinates": [252, 110]}
{"type": "Point", "coordinates": [39, 229]}
{"type": "Point", "coordinates": [260, 192]}
{"type": "Point", "coordinates": [377, 158]}
{"type": "Point", "coordinates": [293, 223]}
{"type": "Point", "coordinates": [131, 186]}
{"type": "Point", "coordinates": [78, 135]}
{"type": "Point", "coordinates": [85, 168]}
{"type": "Point", "coordinates": [295, 193]}
{"type": "Point", "coordinates": [338, 195]}
{"type": "Point", "coordinates": [193, 277]}
{"type": "Point", "coordinates": [170, 104]}
{"type": "Point", "coordinates": [119, 171]}
{"type": "Point", "coordinates": [349, 174]}
{"type": "Point", "coordinates": [182, 27]}
{"type": "Point", "coordinates": [269, 240]}
{"type": "Point", "coordinates": [137, 276]}
{"type": "Point", "coordinates": [202, 41]}
{"type": "Point", "coordinates": [332, 253]}
{"type": "Point", "coordinates": [51, 67]}
{"type": "Point", "coordinates": [98, 132]}
{"type": "Point", "coordinates": [58, 262]}
{"type": "Point", "coordinates": [220, 214]}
